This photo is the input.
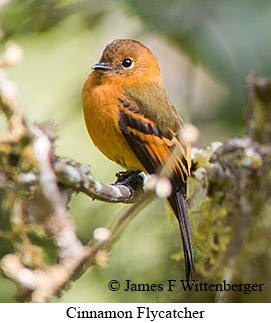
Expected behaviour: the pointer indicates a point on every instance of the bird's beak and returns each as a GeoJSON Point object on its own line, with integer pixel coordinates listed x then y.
{"type": "Point", "coordinates": [102, 66]}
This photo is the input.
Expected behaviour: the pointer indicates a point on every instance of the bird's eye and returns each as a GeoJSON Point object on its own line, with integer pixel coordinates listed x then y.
{"type": "Point", "coordinates": [127, 63]}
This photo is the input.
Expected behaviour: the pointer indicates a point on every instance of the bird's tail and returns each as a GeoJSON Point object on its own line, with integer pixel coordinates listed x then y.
{"type": "Point", "coordinates": [178, 205]}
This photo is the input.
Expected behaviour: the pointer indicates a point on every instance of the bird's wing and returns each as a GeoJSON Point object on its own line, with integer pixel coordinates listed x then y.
{"type": "Point", "coordinates": [155, 148]}
{"type": "Point", "coordinates": [152, 145]}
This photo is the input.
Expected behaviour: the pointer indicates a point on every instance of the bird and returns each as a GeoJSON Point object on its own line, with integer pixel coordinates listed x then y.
{"type": "Point", "coordinates": [131, 120]}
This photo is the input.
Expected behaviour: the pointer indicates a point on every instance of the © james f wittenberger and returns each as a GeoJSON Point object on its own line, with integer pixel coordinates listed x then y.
{"type": "Point", "coordinates": [186, 285]}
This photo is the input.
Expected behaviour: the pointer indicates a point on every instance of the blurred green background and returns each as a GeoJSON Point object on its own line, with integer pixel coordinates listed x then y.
{"type": "Point", "coordinates": [205, 50]}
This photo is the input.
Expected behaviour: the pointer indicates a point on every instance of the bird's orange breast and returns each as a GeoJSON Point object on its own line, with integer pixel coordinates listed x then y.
{"type": "Point", "coordinates": [101, 113]}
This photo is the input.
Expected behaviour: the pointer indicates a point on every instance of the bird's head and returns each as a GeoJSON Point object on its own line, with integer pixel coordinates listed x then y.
{"type": "Point", "coordinates": [127, 58]}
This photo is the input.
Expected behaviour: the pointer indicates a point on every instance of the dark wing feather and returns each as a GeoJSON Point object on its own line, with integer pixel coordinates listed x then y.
{"type": "Point", "coordinates": [136, 144]}
{"type": "Point", "coordinates": [153, 147]}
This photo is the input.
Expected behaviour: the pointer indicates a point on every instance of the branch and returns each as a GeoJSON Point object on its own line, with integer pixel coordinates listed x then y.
{"type": "Point", "coordinates": [39, 285]}
{"type": "Point", "coordinates": [258, 116]}
{"type": "Point", "coordinates": [78, 177]}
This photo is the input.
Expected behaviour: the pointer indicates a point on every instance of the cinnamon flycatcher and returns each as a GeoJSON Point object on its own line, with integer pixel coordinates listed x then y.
{"type": "Point", "coordinates": [131, 119]}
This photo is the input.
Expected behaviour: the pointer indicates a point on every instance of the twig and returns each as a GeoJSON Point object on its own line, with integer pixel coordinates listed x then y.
{"type": "Point", "coordinates": [9, 101]}
{"type": "Point", "coordinates": [78, 177]}
{"type": "Point", "coordinates": [258, 110]}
